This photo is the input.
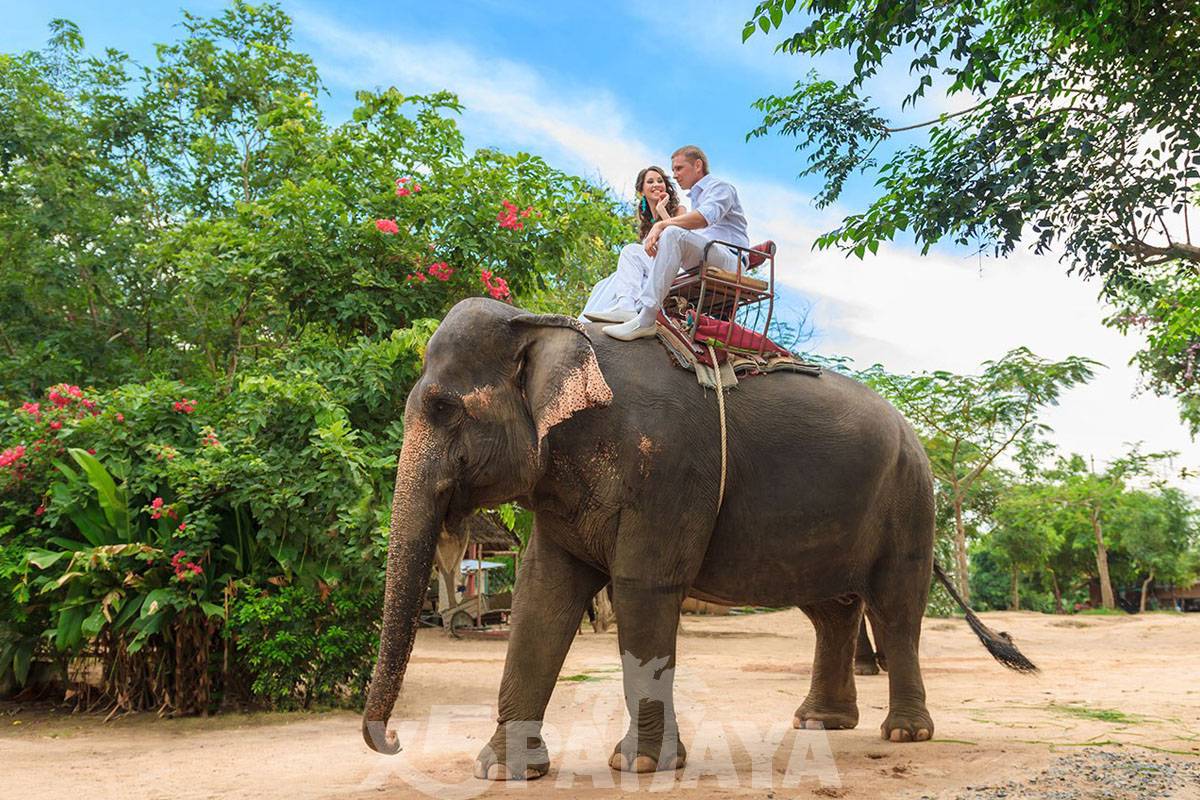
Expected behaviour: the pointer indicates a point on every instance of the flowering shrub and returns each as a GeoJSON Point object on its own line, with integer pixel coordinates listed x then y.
{"type": "Point", "coordinates": [440, 271]}
{"type": "Point", "coordinates": [508, 217]}
{"type": "Point", "coordinates": [496, 287]}
{"type": "Point", "coordinates": [289, 291]}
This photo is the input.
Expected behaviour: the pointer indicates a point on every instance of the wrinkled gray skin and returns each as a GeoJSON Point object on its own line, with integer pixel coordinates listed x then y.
{"type": "Point", "coordinates": [828, 506]}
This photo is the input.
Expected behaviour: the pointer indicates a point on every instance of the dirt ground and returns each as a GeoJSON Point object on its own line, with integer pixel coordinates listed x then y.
{"type": "Point", "coordinates": [1115, 713]}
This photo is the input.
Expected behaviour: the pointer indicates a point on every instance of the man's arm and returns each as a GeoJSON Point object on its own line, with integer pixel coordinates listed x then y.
{"type": "Point", "coordinates": [692, 220]}
{"type": "Point", "coordinates": [717, 201]}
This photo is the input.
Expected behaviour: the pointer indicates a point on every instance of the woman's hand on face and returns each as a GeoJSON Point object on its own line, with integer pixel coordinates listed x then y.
{"type": "Point", "coordinates": [660, 207]}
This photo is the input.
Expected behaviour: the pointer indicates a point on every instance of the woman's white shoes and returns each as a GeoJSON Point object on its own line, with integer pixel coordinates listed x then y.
{"type": "Point", "coordinates": [616, 315]}
{"type": "Point", "coordinates": [630, 330]}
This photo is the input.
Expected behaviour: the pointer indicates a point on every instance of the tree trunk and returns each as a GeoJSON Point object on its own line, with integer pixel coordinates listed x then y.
{"type": "Point", "coordinates": [1058, 603]}
{"type": "Point", "coordinates": [1106, 592]}
{"type": "Point", "coordinates": [1014, 604]}
{"type": "Point", "coordinates": [1145, 588]}
{"type": "Point", "coordinates": [960, 552]}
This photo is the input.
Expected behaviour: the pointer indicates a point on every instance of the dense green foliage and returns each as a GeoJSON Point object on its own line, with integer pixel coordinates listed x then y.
{"type": "Point", "coordinates": [1074, 131]}
{"type": "Point", "coordinates": [198, 218]}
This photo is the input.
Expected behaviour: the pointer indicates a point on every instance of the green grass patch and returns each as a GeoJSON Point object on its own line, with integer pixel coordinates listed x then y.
{"type": "Point", "coordinates": [1102, 612]}
{"type": "Point", "coordinates": [1101, 714]}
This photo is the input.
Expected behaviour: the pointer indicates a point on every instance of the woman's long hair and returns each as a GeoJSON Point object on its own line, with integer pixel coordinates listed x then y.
{"type": "Point", "coordinates": [645, 213]}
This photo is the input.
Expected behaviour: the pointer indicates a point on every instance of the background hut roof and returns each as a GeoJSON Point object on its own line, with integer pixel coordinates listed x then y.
{"type": "Point", "coordinates": [483, 530]}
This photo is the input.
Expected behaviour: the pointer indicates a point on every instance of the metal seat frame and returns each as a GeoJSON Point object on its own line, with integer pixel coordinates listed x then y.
{"type": "Point", "coordinates": [724, 297]}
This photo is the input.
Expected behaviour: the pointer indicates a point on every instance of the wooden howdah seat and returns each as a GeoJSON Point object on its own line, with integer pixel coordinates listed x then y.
{"type": "Point", "coordinates": [721, 294]}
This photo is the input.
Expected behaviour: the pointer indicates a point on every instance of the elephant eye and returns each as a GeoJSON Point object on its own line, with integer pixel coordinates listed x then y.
{"type": "Point", "coordinates": [442, 410]}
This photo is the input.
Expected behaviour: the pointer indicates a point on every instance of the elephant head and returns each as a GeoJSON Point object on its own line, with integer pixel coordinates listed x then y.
{"type": "Point", "coordinates": [495, 381]}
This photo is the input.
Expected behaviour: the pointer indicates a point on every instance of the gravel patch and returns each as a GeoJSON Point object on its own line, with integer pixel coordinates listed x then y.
{"type": "Point", "coordinates": [1101, 775]}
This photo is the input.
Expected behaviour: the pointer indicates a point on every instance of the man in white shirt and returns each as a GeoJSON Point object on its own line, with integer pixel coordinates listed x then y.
{"type": "Point", "coordinates": [674, 244]}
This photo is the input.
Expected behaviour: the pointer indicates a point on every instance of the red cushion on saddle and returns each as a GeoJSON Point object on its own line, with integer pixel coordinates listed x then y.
{"type": "Point", "coordinates": [741, 338]}
{"type": "Point", "coordinates": [758, 258]}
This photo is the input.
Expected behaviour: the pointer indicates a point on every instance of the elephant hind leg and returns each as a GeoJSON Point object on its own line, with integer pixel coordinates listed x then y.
{"type": "Point", "coordinates": [864, 653]}
{"type": "Point", "coordinates": [832, 700]}
{"type": "Point", "coordinates": [896, 615]}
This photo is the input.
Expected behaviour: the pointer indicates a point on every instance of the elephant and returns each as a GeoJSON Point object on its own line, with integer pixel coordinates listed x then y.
{"type": "Point", "coordinates": [868, 660]}
{"type": "Point", "coordinates": [823, 500]}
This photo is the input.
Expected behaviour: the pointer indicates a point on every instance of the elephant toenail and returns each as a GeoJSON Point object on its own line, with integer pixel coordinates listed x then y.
{"type": "Point", "coordinates": [797, 723]}
{"type": "Point", "coordinates": [922, 734]}
{"type": "Point", "coordinates": [497, 772]}
{"type": "Point", "coordinates": [644, 764]}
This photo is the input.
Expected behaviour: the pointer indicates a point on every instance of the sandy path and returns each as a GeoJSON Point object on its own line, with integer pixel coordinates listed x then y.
{"type": "Point", "coordinates": [1130, 685]}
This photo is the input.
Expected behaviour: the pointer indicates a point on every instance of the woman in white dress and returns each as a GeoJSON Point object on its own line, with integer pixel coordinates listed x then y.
{"type": "Point", "coordinates": [656, 199]}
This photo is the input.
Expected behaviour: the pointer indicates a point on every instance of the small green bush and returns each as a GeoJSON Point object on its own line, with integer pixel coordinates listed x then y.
{"type": "Point", "coordinates": [307, 646]}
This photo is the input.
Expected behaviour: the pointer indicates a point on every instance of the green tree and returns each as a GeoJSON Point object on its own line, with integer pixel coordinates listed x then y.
{"type": "Point", "coordinates": [1157, 530]}
{"type": "Point", "coordinates": [968, 421]}
{"type": "Point", "coordinates": [1025, 534]}
{"type": "Point", "coordinates": [191, 216]}
{"type": "Point", "coordinates": [199, 217]}
{"type": "Point", "coordinates": [1099, 495]}
{"type": "Point", "coordinates": [1076, 133]}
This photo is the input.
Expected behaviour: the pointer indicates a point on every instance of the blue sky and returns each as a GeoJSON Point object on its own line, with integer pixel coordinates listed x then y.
{"type": "Point", "coordinates": [602, 89]}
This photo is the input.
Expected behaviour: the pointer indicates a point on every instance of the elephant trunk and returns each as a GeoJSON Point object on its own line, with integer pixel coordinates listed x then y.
{"type": "Point", "coordinates": [417, 517]}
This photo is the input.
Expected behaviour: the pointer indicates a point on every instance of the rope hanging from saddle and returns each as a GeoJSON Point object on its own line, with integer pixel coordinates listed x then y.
{"type": "Point", "coordinates": [721, 412]}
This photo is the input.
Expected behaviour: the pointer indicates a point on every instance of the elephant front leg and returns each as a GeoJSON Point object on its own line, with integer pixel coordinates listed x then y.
{"type": "Point", "coordinates": [553, 588]}
{"type": "Point", "coordinates": [647, 623]}
{"type": "Point", "coordinates": [832, 701]}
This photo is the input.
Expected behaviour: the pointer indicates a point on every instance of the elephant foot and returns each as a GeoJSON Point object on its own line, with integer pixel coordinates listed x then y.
{"type": "Point", "coordinates": [497, 761]}
{"type": "Point", "coordinates": [907, 726]}
{"type": "Point", "coordinates": [629, 757]}
{"type": "Point", "coordinates": [866, 666]}
{"type": "Point", "coordinates": [827, 716]}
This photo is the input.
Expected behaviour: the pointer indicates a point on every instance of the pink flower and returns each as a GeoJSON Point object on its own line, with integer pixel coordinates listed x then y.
{"type": "Point", "coordinates": [37, 512]}
{"type": "Point", "coordinates": [32, 409]}
{"type": "Point", "coordinates": [402, 192]}
{"type": "Point", "coordinates": [185, 406]}
{"type": "Point", "coordinates": [156, 505]}
{"type": "Point", "coordinates": [441, 270]}
{"type": "Point", "coordinates": [91, 451]}
{"type": "Point", "coordinates": [195, 568]}
{"type": "Point", "coordinates": [496, 287]}
{"type": "Point", "coordinates": [499, 289]}
{"type": "Point", "coordinates": [56, 425]}
{"type": "Point", "coordinates": [416, 188]}
{"type": "Point", "coordinates": [419, 277]}
{"type": "Point", "coordinates": [88, 404]}
{"type": "Point", "coordinates": [120, 417]}
{"type": "Point", "coordinates": [387, 226]}
{"type": "Point", "coordinates": [183, 526]}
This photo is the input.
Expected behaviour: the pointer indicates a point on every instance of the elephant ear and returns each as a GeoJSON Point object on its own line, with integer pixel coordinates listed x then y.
{"type": "Point", "coordinates": [560, 371]}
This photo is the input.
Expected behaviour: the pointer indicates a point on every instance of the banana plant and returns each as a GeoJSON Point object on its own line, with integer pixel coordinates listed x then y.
{"type": "Point", "coordinates": [117, 573]}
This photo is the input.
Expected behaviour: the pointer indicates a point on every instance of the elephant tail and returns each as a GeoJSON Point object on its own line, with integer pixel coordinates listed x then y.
{"type": "Point", "coordinates": [1000, 645]}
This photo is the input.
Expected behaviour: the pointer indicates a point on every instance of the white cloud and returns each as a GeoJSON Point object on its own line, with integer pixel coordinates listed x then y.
{"type": "Point", "coordinates": [507, 102]}
{"type": "Point", "coordinates": [907, 311]}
